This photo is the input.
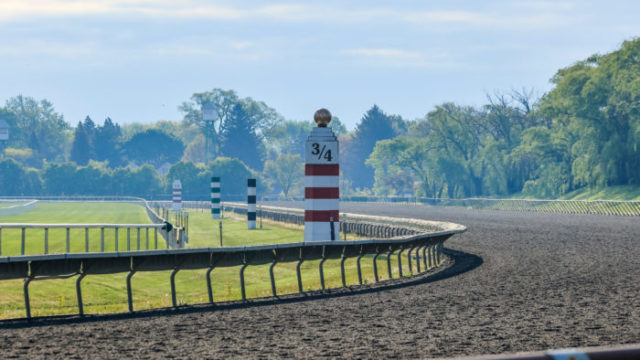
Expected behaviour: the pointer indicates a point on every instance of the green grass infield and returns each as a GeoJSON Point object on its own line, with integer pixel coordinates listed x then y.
{"type": "Point", "coordinates": [107, 293]}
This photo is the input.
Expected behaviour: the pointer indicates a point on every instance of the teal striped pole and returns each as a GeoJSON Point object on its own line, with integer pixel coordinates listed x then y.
{"type": "Point", "coordinates": [215, 197]}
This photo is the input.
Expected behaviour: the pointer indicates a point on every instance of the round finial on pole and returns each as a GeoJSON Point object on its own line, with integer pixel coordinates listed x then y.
{"type": "Point", "coordinates": [322, 117]}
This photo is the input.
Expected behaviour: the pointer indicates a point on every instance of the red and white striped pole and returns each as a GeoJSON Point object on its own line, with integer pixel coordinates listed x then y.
{"type": "Point", "coordinates": [177, 195]}
{"type": "Point", "coordinates": [321, 181]}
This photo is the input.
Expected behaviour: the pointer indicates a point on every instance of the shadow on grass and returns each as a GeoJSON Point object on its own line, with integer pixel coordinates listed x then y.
{"type": "Point", "coordinates": [458, 262]}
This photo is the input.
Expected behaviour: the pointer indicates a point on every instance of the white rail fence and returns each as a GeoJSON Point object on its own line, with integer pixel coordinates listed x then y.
{"type": "Point", "coordinates": [142, 241]}
{"type": "Point", "coordinates": [110, 238]}
{"type": "Point", "coordinates": [595, 207]}
{"type": "Point", "coordinates": [600, 207]}
{"type": "Point", "coordinates": [18, 208]}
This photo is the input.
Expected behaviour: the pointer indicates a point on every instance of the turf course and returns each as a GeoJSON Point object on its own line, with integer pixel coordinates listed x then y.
{"type": "Point", "coordinates": [107, 293]}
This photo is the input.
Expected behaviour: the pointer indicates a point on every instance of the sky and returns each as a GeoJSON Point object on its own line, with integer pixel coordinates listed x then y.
{"type": "Point", "coordinates": [138, 60]}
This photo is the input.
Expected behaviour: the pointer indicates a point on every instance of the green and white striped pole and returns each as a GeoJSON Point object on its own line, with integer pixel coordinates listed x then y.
{"type": "Point", "coordinates": [215, 197]}
{"type": "Point", "coordinates": [251, 203]}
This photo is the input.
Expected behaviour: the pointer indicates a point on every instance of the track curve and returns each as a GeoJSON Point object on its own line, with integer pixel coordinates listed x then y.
{"type": "Point", "coordinates": [547, 281]}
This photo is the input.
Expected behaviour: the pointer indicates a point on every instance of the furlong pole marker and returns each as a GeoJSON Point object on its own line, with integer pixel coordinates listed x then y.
{"type": "Point", "coordinates": [321, 181]}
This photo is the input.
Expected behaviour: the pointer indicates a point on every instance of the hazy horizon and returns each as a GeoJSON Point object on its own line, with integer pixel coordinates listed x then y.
{"type": "Point", "coordinates": [137, 60]}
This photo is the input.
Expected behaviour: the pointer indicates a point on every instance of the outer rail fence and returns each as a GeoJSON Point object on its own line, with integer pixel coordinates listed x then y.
{"type": "Point", "coordinates": [422, 249]}
{"type": "Point", "coordinates": [600, 207]}
{"type": "Point", "coordinates": [361, 225]}
{"type": "Point", "coordinates": [596, 207]}
{"type": "Point", "coordinates": [173, 234]}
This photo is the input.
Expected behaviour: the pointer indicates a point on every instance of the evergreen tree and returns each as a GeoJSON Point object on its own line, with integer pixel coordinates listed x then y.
{"type": "Point", "coordinates": [337, 126]}
{"type": "Point", "coordinates": [105, 143]}
{"type": "Point", "coordinates": [89, 129]}
{"type": "Point", "coordinates": [374, 126]}
{"type": "Point", "coordinates": [261, 116]}
{"type": "Point", "coordinates": [81, 147]}
{"type": "Point", "coordinates": [240, 139]}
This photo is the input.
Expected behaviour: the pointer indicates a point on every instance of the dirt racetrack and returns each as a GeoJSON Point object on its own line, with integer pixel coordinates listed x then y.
{"type": "Point", "coordinates": [546, 281]}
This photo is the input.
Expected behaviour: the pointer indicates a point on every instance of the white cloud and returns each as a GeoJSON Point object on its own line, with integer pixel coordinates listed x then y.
{"type": "Point", "coordinates": [545, 5]}
{"type": "Point", "coordinates": [12, 9]}
{"type": "Point", "coordinates": [21, 9]}
{"type": "Point", "coordinates": [62, 50]}
{"type": "Point", "coordinates": [383, 52]}
{"type": "Point", "coordinates": [24, 9]}
{"type": "Point", "coordinates": [395, 57]}
{"type": "Point", "coordinates": [537, 13]}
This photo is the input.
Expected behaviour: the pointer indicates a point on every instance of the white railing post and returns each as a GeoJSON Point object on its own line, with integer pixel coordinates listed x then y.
{"type": "Point", "coordinates": [22, 244]}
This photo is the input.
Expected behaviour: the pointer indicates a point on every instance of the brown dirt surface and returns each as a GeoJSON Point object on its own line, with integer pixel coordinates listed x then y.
{"type": "Point", "coordinates": [532, 282]}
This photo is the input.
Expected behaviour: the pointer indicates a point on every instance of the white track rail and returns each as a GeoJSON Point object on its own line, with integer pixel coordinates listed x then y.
{"type": "Point", "coordinates": [17, 209]}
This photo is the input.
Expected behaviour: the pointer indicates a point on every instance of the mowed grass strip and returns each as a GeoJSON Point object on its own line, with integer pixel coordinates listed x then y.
{"type": "Point", "coordinates": [205, 232]}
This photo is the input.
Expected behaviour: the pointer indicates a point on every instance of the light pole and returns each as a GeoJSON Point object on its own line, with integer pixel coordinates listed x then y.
{"type": "Point", "coordinates": [209, 116]}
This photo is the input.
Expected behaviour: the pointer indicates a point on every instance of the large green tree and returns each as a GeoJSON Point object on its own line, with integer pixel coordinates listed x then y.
{"type": "Point", "coordinates": [240, 138]}
{"type": "Point", "coordinates": [82, 147]}
{"type": "Point", "coordinates": [195, 180]}
{"type": "Point", "coordinates": [60, 178]}
{"type": "Point", "coordinates": [36, 125]}
{"type": "Point", "coordinates": [233, 175]}
{"type": "Point", "coordinates": [374, 126]}
{"type": "Point", "coordinates": [402, 165]}
{"type": "Point", "coordinates": [153, 147]}
{"type": "Point", "coordinates": [289, 137]}
{"type": "Point", "coordinates": [595, 104]}
{"type": "Point", "coordinates": [16, 180]}
{"type": "Point", "coordinates": [286, 173]}
{"type": "Point", "coordinates": [261, 116]}
{"type": "Point", "coordinates": [456, 151]}
{"type": "Point", "coordinates": [106, 143]}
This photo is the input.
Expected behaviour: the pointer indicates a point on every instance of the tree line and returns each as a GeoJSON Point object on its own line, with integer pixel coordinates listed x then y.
{"type": "Point", "coordinates": [584, 132]}
{"type": "Point", "coordinates": [95, 179]}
